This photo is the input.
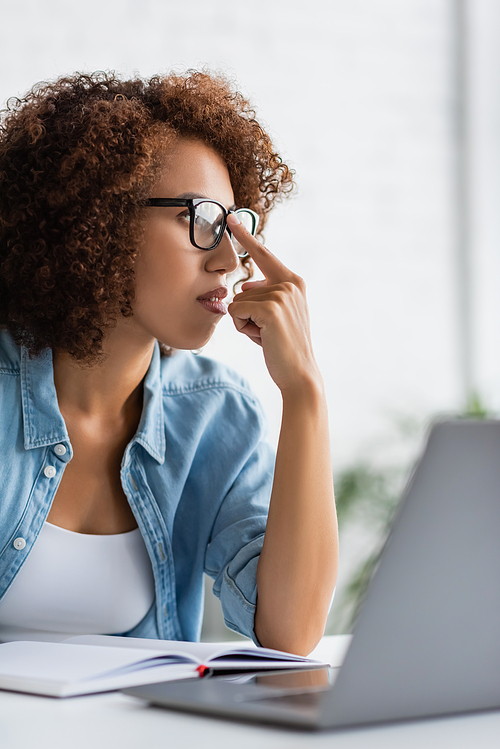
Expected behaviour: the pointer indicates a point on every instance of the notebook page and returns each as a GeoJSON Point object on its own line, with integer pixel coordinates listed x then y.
{"type": "Point", "coordinates": [65, 662]}
{"type": "Point", "coordinates": [203, 652]}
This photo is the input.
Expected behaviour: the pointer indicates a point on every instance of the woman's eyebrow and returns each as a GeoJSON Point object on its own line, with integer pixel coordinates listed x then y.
{"type": "Point", "coordinates": [191, 195]}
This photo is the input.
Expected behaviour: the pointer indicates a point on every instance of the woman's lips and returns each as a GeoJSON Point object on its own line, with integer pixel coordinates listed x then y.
{"type": "Point", "coordinates": [212, 301]}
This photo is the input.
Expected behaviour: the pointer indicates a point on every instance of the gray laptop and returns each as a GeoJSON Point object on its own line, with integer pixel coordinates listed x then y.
{"type": "Point", "coordinates": [427, 640]}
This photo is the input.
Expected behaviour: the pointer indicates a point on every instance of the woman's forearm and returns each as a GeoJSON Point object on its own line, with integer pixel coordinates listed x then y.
{"type": "Point", "coordinates": [297, 569]}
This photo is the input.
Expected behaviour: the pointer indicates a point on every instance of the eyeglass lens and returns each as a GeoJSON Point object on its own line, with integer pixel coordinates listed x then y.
{"type": "Point", "coordinates": [248, 221]}
{"type": "Point", "coordinates": [209, 222]}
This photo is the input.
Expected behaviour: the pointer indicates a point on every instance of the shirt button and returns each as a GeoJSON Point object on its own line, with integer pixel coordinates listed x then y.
{"type": "Point", "coordinates": [50, 472]}
{"type": "Point", "coordinates": [59, 450]}
{"type": "Point", "coordinates": [19, 543]}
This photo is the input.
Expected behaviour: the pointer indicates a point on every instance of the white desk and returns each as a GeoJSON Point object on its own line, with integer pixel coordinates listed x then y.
{"type": "Point", "coordinates": [114, 721]}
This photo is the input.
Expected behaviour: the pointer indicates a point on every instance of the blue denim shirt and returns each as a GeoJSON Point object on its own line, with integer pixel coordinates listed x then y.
{"type": "Point", "coordinates": [197, 475]}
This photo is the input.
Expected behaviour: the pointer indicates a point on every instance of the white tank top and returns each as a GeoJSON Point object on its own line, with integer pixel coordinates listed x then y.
{"type": "Point", "coordinates": [76, 583]}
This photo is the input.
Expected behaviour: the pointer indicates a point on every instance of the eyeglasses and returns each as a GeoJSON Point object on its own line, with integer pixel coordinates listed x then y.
{"type": "Point", "coordinates": [208, 221]}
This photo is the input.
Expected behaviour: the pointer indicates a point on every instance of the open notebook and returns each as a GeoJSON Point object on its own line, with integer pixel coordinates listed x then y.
{"type": "Point", "coordinates": [99, 663]}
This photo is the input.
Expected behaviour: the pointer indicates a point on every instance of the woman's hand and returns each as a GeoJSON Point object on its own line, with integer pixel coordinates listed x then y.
{"type": "Point", "coordinates": [297, 567]}
{"type": "Point", "coordinates": [274, 314]}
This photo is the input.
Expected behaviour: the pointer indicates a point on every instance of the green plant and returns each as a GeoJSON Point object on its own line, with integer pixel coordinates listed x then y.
{"type": "Point", "coordinates": [366, 498]}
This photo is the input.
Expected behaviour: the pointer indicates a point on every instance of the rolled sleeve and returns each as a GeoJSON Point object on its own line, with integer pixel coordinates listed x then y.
{"type": "Point", "coordinates": [238, 591]}
{"type": "Point", "coordinates": [237, 538]}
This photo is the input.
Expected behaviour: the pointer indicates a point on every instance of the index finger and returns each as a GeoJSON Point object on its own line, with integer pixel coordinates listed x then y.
{"type": "Point", "coordinates": [272, 268]}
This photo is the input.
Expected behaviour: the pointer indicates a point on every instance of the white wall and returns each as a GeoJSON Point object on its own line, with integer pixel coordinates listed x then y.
{"type": "Point", "coordinates": [482, 192]}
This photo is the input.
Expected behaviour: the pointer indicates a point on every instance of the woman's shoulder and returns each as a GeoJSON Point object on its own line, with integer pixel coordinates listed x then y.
{"type": "Point", "coordinates": [185, 372]}
{"type": "Point", "coordinates": [208, 397]}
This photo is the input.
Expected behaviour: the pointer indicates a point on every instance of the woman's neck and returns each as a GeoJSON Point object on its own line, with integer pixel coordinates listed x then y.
{"type": "Point", "coordinates": [111, 389]}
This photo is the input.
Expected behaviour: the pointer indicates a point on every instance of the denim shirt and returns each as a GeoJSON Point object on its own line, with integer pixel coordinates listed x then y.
{"type": "Point", "coordinates": [197, 475]}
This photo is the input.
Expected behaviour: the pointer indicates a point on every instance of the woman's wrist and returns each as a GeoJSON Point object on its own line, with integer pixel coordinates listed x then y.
{"type": "Point", "coordinates": [308, 388]}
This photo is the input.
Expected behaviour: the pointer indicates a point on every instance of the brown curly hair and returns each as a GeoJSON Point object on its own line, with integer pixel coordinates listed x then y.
{"type": "Point", "coordinates": [77, 156]}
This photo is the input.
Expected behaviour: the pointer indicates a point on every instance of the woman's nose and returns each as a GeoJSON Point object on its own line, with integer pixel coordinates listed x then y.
{"type": "Point", "coordinates": [224, 257]}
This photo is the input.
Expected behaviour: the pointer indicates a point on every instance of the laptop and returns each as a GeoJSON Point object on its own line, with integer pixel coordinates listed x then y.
{"type": "Point", "coordinates": [427, 639]}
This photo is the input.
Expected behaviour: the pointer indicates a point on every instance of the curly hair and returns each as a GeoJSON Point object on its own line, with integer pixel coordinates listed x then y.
{"type": "Point", "coordinates": [77, 157]}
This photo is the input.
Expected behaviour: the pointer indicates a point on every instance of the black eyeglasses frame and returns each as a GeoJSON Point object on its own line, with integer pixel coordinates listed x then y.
{"type": "Point", "coordinates": [191, 204]}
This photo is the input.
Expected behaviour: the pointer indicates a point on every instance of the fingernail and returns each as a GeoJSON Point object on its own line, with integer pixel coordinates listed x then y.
{"type": "Point", "coordinates": [233, 218]}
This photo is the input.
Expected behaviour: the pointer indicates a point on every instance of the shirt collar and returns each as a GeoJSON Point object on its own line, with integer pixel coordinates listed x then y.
{"type": "Point", "coordinates": [43, 421]}
{"type": "Point", "coordinates": [151, 432]}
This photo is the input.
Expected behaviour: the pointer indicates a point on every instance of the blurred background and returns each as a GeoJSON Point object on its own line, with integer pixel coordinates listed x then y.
{"type": "Point", "coordinates": [389, 111]}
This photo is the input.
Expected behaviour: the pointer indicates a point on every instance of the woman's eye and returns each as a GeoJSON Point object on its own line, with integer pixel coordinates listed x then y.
{"type": "Point", "coordinates": [184, 216]}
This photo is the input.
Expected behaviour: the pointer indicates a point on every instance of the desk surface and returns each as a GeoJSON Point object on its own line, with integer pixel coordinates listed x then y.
{"type": "Point", "coordinates": [115, 721]}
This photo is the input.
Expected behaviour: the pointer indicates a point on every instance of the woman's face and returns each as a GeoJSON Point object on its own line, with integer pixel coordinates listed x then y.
{"type": "Point", "coordinates": [172, 276]}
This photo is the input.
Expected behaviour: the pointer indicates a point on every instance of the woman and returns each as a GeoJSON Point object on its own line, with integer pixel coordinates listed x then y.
{"type": "Point", "coordinates": [130, 466]}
